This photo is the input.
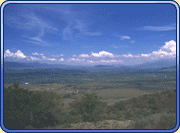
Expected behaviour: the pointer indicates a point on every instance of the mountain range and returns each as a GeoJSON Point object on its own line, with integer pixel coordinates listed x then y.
{"type": "Point", "coordinates": [152, 66]}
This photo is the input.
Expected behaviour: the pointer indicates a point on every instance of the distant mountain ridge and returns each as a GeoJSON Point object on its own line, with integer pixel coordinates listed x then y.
{"type": "Point", "coordinates": [160, 66]}
{"type": "Point", "coordinates": [171, 68]}
{"type": "Point", "coordinates": [103, 66]}
{"type": "Point", "coordinates": [15, 65]}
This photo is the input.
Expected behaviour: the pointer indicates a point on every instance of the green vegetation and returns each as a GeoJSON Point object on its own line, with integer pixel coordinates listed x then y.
{"type": "Point", "coordinates": [24, 109]}
{"type": "Point", "coordinates": [89, 107]}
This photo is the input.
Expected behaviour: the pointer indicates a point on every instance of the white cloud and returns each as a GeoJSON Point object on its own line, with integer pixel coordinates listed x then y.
{"type": "Point", "coordinates": [57, 55]}
{"type": "Point", "coordinates": [35, 53]}
{"type": "Point", "coordinates": [8, 53]}
{"type": "Point", "coordinates": [52, 59]}
{"type": "Point", "coordinates": [34, 23]}
{"type": "Point", "coordinates": [91, 61]}
{"type": "Point", "coordinates": [156, 28]}
{"type": "Point", "coordinates": [37, 40]}
{"type": "Point", "coordinates": [48, 59]}
{"type": "Point", "coordinates": [137, 56]}
{"type": "Point", "coordinates": [110, 61]}
{"type": "Point", "coordinates": [74, 55]}
{"type": "Point", "coordinates": [44, 57]}
{"type": "Point", "coordinates": [170, 47]}
{"type": "Point", "coordinates": [168, 50]}
{"type": "Point", "coordinates": [124, 37]}
{"type": "Point", "coordinates": [102, 54]}
{"type": "Point", "coordinates": [77, 59]}
{"type": "Point", "coordinates": [18, 54]}
{"type": "Point", "coordinates": [34, 58]}
{"type": "Point", "coordinates": [145, 55]}
{"type": "Point", "coordinates": [61, 59]}
{"type": "Point", "coordinates": [78, 28]}
{"type": "Point", "coordinates": [127, 55]}
{"type": "Point", "coordinates": [84, 56]}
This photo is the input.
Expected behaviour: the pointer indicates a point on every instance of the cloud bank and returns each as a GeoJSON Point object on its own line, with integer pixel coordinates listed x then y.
{"type": "Point", "coordinates": [167, 51]}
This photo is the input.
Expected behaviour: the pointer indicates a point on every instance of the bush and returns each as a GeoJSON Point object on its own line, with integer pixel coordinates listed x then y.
{"type": "Point", "coordinates": [90, 107]}
{"type": "Point", "coordinates": [156, 121]}
{"type": "Point", "coordinates": [24, 108]}
{"type": "Point", "coordinates": [151, 100]}
{"type": "Point", "coordinates": [120, 105]}
{"type": "Point", "coordinates": [166, 121]}
{"type": "Point", "coordinates": [17, 107]}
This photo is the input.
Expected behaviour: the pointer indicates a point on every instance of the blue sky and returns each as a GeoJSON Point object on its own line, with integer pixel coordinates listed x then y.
{"type": "Point", "coordinates": [89, 34]}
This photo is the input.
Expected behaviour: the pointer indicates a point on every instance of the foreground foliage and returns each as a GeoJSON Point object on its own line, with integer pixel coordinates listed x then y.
{"type": "Point", "coordinates": [25, 109]}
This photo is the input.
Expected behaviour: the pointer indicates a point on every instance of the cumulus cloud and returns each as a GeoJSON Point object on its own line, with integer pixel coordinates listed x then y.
{"type": "Point", "coordinates": [61, 59]}
{"type": "Point", "coordinates": [74, 55]}
{"type": "Point", "coordinates": [91, 61]}
{"type": "Point", "coordinates": [48, 59]}
{"type": "Point", "coordinates": [34, 58]}
{"type": "Point", "coordinates": [8, 53]}
{"type": "Point", "coordinates": [169, 46]}
{"type": "Point", "coordinates": [57, 55]}
{"type": "Point", "coordinates": [110, 61]}
{"type": "Point", "coordinates": [127, 55]}
{"type": "Point", "coordinates": [35, 53]}
{"type": "Point", "coordinates": [166, 51]}
{"type": "Point", "coordinates": [145, 55]}
{"type": "Point", "coordinates": [102, 54]}
{"type": "Point", "coordinates": [52, 59]}
{"type": "Point", "coordinates": [105, 61]}
{"type": "Point", "coordinates": [84, 56]}
{"type": "Point", "coordinates": [18, 54]}
{"type": "Point", "coordinates": [77, 59]}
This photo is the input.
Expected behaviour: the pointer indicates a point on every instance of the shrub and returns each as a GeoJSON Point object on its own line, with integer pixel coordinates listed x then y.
{"type": "Point", "coordinates": [24, 108]}
{"type": "Point", "coordinates": [120, 105]}
{"type": "Point", "coordinates": [128, 115]}
{"type": "Point", "coordinates": [151, 100]}
{"type": "Point", "coordinates": [90, 107]}
{"type": "Point", "coordinates": [166, 122]}
{"type": "Point", "coordinates": [145, 96]}
{"type": "Point", "coordinates": [156, 121]}
{"type": "Point", "coordinates": [18, 104]}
